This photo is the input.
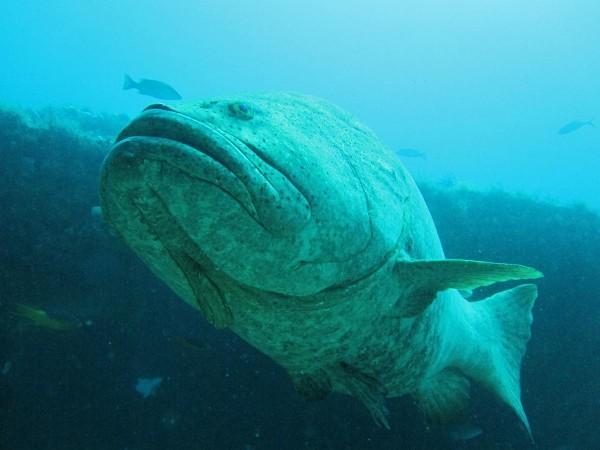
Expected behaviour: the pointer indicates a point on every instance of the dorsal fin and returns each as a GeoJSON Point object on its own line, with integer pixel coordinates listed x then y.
{"type": "Point", "coordinates": [425, 278]}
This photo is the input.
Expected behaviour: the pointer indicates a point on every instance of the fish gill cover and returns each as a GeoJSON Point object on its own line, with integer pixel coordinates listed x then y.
{"type": "Point", "coordinates": [78, 388]}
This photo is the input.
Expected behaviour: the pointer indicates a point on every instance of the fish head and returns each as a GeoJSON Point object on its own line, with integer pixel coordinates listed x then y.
{"type": "Point", "coordinates": [274, 192]}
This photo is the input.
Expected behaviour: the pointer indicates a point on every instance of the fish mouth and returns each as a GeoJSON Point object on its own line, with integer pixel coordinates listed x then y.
{"type": "Point", "coordinates": [167, 176]}
{"type": "Point", "coordinates": [206, 153]}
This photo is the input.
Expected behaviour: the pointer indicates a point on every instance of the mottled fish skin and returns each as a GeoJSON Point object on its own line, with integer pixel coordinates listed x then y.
{"type": "Point", "coordinates": [283, 218]}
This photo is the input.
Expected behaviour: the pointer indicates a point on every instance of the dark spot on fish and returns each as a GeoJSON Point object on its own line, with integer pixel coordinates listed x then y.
{"type": "Point", "coordinates": [241, 111]}
{"type": "Point", "coordinates": [209, 104]}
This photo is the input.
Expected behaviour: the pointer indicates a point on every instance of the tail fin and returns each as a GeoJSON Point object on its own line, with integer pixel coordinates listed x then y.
{"type": "Point", "coordinates": [510, 312]}
{"type": "Point", "coordinates": [128, 83]}
{"type": "Point", "coordinates": [591, 123]}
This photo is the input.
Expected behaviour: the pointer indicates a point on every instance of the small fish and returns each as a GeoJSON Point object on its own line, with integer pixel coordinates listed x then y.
{"type": "Point", "coordinates": [411, 153]}
{"type": "Point", "coordinates": [574, 126]}
{"type": "Point", "coordinates": [147, 386]}
{"type": "Point", "coordinates": [464, 432]}
{"type": "Point", "coordinates": [153, 88]}
{"type": "Point", "coordinates": [49, 321]}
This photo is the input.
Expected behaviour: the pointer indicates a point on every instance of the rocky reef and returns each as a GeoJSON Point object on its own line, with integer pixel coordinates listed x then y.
{"type": "Point", "coordinates": [57, 254]}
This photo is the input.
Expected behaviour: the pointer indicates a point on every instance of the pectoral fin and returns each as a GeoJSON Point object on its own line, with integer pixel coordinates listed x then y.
{"type": "Point", "coordinates": [426, 278]}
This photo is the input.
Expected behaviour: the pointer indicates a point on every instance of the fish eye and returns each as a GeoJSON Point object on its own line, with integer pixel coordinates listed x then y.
{"type": "Point", "coordinates": [241, 110]}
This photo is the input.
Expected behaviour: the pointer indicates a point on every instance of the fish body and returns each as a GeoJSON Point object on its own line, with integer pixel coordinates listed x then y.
{"type": "Point", "coordinates": [574, 126]}
{"type": "Point", "coordinates": [153, 88]}
{"type": "Point", "coordinates": [283, 218]}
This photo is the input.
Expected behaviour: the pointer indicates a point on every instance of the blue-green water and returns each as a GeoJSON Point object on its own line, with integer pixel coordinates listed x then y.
{"type": "Point", "coordinates": [480, 89]}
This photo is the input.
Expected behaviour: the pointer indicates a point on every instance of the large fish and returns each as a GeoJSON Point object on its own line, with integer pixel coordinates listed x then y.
{"type": "Point", "coordinates": [284, 219]}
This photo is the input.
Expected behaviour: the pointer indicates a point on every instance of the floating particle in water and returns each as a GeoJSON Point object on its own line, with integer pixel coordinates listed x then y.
{"type": "Point", "coordinates": [148, 386]}
{"type": "Point", "coordinates": [6, 367]}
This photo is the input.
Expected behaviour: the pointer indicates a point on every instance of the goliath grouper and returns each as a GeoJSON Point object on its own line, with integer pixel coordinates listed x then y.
{"type": "Point", "coordinates": [283, 218]}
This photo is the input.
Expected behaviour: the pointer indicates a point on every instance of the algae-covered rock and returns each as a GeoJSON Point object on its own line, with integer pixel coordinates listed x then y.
{"type": "Point", "coordinates": [50, 161]}
{"type": "Point", "coordinates": [55, 253]}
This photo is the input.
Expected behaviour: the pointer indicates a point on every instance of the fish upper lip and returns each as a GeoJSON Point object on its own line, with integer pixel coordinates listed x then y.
{"type": "Point", "coordinates": [263, 194]}
{"type": "Point", "coordinates": [160, 122]}
{"type": "Point", "coordinates": [163, 124]}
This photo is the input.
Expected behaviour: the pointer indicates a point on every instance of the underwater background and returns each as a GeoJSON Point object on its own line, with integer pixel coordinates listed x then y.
{"type": "Point", "coordinates": [473, 96]}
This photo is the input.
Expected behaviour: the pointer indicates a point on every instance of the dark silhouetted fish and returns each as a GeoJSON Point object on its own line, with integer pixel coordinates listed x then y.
{"type": "Point", "coordinates": [411, 153]}
{"type": "Point", "coordinates": [153, 88]}
{"type": "Point", "coordinates": [574, 126]}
